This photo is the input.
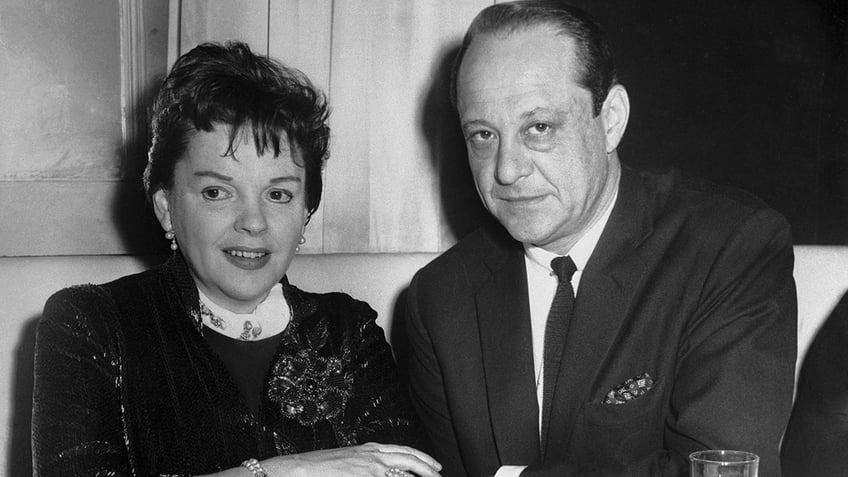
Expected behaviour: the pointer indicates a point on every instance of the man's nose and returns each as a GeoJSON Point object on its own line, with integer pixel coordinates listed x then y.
{"type": "Point", "coordinates": [513, 162]}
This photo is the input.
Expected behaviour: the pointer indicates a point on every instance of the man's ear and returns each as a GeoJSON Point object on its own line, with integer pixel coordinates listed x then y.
{"type": "Point", "coordinates": [614, 115]}
{"type": "Point", "coordinates": [162, 209]}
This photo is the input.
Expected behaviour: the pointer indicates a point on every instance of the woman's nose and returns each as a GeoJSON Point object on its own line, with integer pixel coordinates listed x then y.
{"type": "Point", "coordinates": [251, 219]}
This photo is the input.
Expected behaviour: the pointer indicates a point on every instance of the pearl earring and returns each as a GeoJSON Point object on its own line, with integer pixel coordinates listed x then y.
{"type": "Point", "coordinates": [170, 235]}
{"type": "Point", "coordinates": [299, 243]}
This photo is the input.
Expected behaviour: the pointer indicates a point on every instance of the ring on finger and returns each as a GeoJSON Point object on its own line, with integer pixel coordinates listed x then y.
{"type": "Point", "coordinates": [395, 472]}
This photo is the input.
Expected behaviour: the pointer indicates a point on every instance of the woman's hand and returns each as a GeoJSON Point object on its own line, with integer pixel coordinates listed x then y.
{"type": "Point", "coordinates": [372, 460]}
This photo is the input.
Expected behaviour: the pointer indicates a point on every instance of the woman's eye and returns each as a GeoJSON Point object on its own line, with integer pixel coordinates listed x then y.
{"type": "Point", "coordinates": [213, 193]}
{"type": "Point", "coordinates": [281, 196]}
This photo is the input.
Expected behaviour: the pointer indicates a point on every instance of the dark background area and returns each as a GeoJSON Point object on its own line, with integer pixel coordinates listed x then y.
{"type": "Point", "coordinates": [750, 93]}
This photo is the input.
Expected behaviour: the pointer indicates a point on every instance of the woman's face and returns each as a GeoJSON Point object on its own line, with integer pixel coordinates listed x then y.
{"type": "Point", "coordinates": [237, 218]}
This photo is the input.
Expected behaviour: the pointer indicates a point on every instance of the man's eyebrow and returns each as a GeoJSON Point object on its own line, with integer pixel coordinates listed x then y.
{"type": "Point", "coordinates": [537, 111]}
{"type": "Point", "coordinates": [473, 122]}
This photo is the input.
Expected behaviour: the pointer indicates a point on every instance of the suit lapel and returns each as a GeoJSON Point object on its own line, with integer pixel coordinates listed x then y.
{"type": "Point", "coordinates": [612, 276]}
{"type": "Point", "coordinates": [504, 319]}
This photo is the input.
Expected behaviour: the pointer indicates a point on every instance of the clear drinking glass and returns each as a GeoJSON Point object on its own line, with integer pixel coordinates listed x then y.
{"type": "Point", "coordinates": [723, 463]}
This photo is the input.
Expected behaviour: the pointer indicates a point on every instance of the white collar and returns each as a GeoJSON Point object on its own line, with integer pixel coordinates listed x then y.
{"type": "Point", "coordinates": [268, 319]}
{"type": "Point", "coordinates": [582, 250]}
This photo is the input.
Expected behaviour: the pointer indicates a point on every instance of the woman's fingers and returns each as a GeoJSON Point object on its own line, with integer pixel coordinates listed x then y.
{"type": "Point", "coordinates": [423, 456]}
{"type": "Point", "coordinates": [406, 458]}
{"type": "Point", "coordinates": [409, 463]}
{"type": "Point", "coordinates": [371, 460]}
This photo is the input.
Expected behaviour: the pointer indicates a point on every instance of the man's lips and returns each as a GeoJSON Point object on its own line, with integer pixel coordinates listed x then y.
{"type": "Point", "coordinates": [523, 199]}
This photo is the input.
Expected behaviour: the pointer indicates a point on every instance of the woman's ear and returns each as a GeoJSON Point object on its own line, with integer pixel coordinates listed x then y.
{"type": "Point", "coordinates": [162, 209]}
{"type": "Point", "coordinates": [614, 114]}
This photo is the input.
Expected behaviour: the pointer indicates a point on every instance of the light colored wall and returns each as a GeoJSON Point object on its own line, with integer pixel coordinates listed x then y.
{"type": "Point", "coordinates": [382, 64]}
{"type": "Point", "coordinates": [76, 79]}
{"type": "Point", "coordinates": [72, 84]}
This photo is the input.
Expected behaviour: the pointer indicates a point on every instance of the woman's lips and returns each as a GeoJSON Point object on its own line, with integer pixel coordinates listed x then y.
{"type": "Point", "coordinates": [247, 259]}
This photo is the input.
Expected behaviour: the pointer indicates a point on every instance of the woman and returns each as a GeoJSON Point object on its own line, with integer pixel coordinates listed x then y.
{"type": "Point", "coordinates": [213, 362]}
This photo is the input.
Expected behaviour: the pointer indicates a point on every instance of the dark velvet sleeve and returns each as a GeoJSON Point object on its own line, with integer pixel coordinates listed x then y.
{"type": "Point", "coordinates": [76, 420]}
{"type": "Point", "coordinates": [379, 409]}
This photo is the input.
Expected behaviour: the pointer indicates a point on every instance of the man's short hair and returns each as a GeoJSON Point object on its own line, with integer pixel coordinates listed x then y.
{"type": "Point", "coordinates": [593, 51]}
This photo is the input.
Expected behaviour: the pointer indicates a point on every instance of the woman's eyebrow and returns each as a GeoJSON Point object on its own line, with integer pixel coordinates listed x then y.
{"type": "Point", "coordinates": [277, 180]}
{"type": "Point", "coordinates": [213, 174]}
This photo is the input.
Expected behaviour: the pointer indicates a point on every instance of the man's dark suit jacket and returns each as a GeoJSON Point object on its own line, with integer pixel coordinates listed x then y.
{"type": "Point", "coordinates": [816, 441]}
{"type": "Point", "coordinates": [689, 283]}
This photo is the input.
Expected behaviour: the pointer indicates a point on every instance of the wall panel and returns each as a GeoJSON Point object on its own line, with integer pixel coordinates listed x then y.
{"type": "Point", "coordinates": [221, 20]}
{"type": "Point", "coordinates": [382, 183]}
{"type": "Point", "coordinates": [300, 33]}
{"type": "Point", "coordinates": [60, 90]}
{"type": "Point", "coordinates": [73, 79]}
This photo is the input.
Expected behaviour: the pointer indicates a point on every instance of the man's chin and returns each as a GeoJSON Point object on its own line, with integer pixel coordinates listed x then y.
{"type": "Point", "coordinates": [530, 237]}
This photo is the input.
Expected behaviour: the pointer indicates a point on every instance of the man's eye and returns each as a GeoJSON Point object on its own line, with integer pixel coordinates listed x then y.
{"type": "Point", "coordinates": [213, 193]}
{"type": "Point", "coordinates": [481, 136]}
{"type": "Point", "coordinates": [539, 128]}
{"type": "Point", "coordinates": [281, 196]}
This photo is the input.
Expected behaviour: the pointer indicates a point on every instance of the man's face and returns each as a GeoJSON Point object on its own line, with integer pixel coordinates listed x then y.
{"type": "Point", "coordinates": [537, 154]}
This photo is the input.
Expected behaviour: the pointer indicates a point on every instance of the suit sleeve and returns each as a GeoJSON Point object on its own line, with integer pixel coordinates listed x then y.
{"type": "Point", "coordinates": [427, 387]}
{"type": "Point", "coordinates": [76, 421]}
{"type": "Point", "coordinates": [734, 378]}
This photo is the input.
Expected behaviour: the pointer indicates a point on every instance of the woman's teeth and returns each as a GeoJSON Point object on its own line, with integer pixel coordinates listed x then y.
{"type": "Point", "coordinates": [244, 254]}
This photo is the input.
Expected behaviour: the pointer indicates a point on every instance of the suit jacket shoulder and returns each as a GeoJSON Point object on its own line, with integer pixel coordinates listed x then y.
{"type": "Point", "coordinates": [675, 198]}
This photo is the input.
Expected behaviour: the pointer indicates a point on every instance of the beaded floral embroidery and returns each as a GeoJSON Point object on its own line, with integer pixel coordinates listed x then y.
{"type": "Point", "coordinates": [309, 387]}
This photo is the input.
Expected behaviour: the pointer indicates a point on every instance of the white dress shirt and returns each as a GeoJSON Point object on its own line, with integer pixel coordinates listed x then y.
{"type": "Point", "coordinates": [541, 286]}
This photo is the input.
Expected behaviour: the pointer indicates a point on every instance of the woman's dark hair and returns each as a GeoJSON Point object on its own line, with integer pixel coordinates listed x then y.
{"type": "Point", "coordinates": [593, 51]}
{"type": "Point", "coordinates": [229, 84]}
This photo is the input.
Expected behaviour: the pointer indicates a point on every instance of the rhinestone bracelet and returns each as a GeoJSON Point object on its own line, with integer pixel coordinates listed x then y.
{"type": "Point", "coordinates": [254, 467]}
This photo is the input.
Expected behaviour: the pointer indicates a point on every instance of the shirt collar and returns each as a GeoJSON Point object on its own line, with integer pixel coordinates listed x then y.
{"type": "Point", "coordinates": [582, 250]}
{"type": "Point", "coordinates": [272, 307]}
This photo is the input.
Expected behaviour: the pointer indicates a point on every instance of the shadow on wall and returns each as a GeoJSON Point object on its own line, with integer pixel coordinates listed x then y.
{"type": "Point", "coordinates": [439, 123]}
{"type": "Point", "coordinates": [400, 343]}
{"type": "Point", "coordinates": [133, 215]}
{"type": "Point", "coordinates": [19, 457]}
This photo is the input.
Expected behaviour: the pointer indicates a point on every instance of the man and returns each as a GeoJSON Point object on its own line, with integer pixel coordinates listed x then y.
{"type": "Point", "coordinates": [682, 333]}
{"type": "Point", "coordinates": [816, 437]}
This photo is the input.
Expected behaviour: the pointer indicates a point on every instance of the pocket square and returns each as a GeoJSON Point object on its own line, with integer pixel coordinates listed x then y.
{"type": "Point", "coordinates": [631, 389]}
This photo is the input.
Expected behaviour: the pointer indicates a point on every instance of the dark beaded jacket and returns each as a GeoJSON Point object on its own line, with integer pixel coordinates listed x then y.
{"type": "Point", "coordinates": [125, 383]}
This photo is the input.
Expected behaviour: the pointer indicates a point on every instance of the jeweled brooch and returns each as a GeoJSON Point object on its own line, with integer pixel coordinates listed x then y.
{"type": "Point", "coordinates": [309, 387]}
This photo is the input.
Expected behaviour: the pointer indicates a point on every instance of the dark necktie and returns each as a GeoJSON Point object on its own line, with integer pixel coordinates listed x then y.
{"type": "Point", "coordinates": [555, 331]}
